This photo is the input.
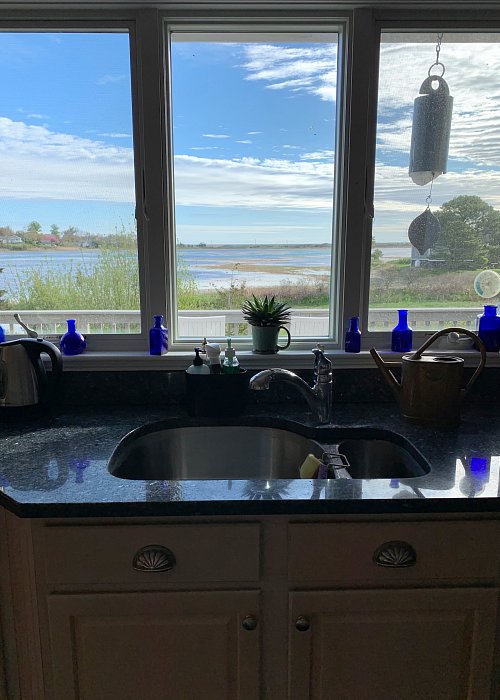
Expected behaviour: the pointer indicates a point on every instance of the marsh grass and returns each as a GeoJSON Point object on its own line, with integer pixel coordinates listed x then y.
{"type": "Point", "coordinates": [112, 283]}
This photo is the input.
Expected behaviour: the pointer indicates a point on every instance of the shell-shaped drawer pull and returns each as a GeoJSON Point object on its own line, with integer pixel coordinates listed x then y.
{"type": "Point", "coordinates": [249, 623]}
{"type": "Point", "coordinates": [154, 558]}
{"type": "Point", "coordinates": [395, 555]}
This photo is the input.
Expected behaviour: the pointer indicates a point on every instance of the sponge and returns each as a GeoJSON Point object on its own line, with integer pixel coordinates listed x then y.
{"type": "Point", "coordinates": [309, 467]}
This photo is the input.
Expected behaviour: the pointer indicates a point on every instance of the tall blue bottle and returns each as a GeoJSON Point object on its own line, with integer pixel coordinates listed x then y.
{"type": "Point", "coordinates": [402, 334]}
{"type": "Point", "coordinates": [158, 337]}
{"type": "Point", "coordinates": [72, 342]}
{"type": "Point", "coordinates": [353, 336]}
{"type": "Point", "coordinates": [489, 328]}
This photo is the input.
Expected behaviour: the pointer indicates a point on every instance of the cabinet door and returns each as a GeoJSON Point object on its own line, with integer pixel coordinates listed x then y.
{"type": "Point", "coordinates": [392, 645]}
{"type": "Point", "coordinates": [155, 646]}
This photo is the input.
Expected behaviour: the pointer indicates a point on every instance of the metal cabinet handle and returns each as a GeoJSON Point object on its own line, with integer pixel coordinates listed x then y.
{"type": "Point", "coordinates": [395, 555]}
{"type": "Point", "coordinates": [154, 558]}
{"type": "Point", "coordinates": [249, 623]}
{"type": "Point", "coordinates": [302, 624]}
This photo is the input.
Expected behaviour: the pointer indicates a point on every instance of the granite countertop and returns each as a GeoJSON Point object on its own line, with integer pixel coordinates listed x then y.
{"type": "Point", "coordinates": [56, 466]}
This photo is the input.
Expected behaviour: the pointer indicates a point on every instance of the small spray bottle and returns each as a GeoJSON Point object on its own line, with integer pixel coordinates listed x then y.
{"type": "Point", "coordinates": [230, 364]}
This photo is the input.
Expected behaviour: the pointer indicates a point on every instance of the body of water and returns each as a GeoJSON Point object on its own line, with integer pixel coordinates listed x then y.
{"type": "Point", "coordinates": [210, 267]}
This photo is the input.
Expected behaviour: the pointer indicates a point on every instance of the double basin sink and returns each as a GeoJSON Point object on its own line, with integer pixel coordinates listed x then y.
{"type": "Point", "coordinates": [259, 449]}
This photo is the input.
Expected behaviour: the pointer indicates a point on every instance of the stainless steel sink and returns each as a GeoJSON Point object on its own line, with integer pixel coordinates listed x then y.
{"type": "Point", "coordinates": [213, 452]}
{"type": "Point", "coordinates": [380, 459]}
{"type": "Point", "coordinates": [169, 451]}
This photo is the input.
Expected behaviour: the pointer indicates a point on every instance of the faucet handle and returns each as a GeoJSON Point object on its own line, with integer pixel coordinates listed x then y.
{"type": "Point", "coordinates": [322, 365]}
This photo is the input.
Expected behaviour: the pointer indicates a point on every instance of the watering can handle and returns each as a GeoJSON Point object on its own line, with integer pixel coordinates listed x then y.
{"type": "Point", "coordinates": [477, 340]}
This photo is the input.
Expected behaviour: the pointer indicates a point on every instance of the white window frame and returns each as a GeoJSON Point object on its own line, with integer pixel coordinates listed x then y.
{"type": "Point", "coordinates": [404, 21]}
{"type": "Point", "coordinates": [355, 145]}
{"type": "Point", "coordinates": [251, 26]}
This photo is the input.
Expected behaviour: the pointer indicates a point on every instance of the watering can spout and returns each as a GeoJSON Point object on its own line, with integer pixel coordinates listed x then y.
{"type": "Point", "coordinates": [384, 367]}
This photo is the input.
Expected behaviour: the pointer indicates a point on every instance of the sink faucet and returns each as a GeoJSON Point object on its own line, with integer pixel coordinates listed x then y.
{"type": "Point", "coordinates": [318, 396]}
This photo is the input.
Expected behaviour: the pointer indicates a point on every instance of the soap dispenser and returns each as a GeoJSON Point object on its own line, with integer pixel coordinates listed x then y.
{"type": "Point", "coordinates": [198, 366]}
{"type": "Point", "coordinates": [230, 364]}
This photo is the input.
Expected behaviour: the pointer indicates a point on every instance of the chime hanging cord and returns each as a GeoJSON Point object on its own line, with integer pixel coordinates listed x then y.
{"type": "Point", "coordinates": [437, 62]}
{"type": "Point", "coordinates": [428, 199]}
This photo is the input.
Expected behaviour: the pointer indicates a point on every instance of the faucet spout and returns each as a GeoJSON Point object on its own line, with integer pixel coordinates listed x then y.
{"type": "Point", "coordinates": [318, 396]}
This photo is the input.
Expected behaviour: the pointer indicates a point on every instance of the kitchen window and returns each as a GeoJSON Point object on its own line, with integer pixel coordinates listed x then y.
{"type": "Point", "coordinates": [254, 119]}
{"type": "Point", "coordinates": [443, 282]}
{"type": "Point", "coordinates": [253, 152]}
{"type": "Point", "coordinates": [68, 240]}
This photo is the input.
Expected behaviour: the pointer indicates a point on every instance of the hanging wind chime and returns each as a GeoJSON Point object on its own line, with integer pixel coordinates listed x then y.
{"type": "Point", "coordinates": [430, 139]}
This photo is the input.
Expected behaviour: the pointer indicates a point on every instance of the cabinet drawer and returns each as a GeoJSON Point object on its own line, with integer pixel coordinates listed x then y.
{"type": "Point", "coordinates": [106, 554]}
{"type": "Point", "coordinates": [326, 553]}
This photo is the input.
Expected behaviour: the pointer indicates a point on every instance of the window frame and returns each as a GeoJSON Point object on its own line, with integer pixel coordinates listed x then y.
{"type": "Point", "coordinates": [407, 20]}
{"type": "Point", "coordinates": [253, 23]}
{"type": "Point", "coordinates": [358, 56]}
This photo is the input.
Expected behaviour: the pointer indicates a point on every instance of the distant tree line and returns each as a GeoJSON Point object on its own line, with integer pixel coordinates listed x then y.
{"type": "Point", "coordinates": [33, 235]}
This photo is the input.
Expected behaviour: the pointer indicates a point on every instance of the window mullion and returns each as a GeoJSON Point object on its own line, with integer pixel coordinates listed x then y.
{"type": "Point", "coordinates": [151, 209]}
{"type": "Point", "coordinates": [359, 165]}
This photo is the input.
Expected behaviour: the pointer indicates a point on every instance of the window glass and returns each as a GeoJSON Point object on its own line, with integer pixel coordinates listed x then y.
{"type": "Point", "coordinates": [438, 284]}
{"type": "Point", "coordinates": [68, 245]}
{"type": "Point", "coordinates": [254, 147]}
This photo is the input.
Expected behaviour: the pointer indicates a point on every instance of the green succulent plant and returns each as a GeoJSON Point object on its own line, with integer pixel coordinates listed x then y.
{"type": "Point", "coordinates": [265, 312]}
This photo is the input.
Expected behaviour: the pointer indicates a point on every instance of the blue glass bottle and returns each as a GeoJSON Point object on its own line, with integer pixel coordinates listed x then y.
{"type": "Point", "coordinates": [353, 336]}
{"type": "Point", "coordinates": [402, 334]}
{"type": "Point", "coordinates": [158, 337]}
{"type": "Point", "coordinates": [2, 335]}
{"type": "Point", "coordinates": [489, 328]}
{"type": "Point", "coordinates": [72, 342]}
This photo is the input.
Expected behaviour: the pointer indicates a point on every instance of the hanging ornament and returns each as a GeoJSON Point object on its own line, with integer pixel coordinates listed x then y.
{"type": "Point", "coordinates": [430, 140]}
{"type": "Point", "coordinates": [430, 135]}
{"type": "Point", "coordinates": [424, 231]}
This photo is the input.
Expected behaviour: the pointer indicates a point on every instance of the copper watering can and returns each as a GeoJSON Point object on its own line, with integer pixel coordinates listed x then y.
{"type": "Point", "coordinates": [431, 390]}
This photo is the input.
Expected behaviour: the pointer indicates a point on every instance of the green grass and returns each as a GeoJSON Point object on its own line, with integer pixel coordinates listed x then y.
{"type": "Point", "coordinates": [113, 283]}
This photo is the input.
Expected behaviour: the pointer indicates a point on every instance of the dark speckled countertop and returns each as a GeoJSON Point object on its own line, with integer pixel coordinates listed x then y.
{"type": "Point", "coordinates": [57, 466]}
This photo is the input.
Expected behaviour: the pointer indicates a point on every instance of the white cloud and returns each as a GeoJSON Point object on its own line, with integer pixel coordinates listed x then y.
{"type": "Point", "coordinates": [250, 182]}
{"type": "Point", "coordinates": [114, 135]}
{"type": "Point", "coordinates": [244, 141]}
{"type": "Point", "coordinates": [252, 133]}
{"type": "Point", "coordinates": [39, 163]}
{"type": "Point", "coordinates": [216, 136]}
{"type": "Point", "coordinates": [111, 78]}
{"type": "Point", "coordinates": [325, 154]}
{"type": "Point", "coordinates": [312, 70]}
{"type": "Point", "coordinates": [38, 116]}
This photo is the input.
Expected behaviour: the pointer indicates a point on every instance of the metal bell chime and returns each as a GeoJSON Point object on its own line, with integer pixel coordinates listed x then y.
{"type": "Point", "coordinates": [430, 139]}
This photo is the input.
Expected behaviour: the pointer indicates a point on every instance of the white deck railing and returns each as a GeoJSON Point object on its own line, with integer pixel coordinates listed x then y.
{"type": "Point", "coordinates": [305, 322]}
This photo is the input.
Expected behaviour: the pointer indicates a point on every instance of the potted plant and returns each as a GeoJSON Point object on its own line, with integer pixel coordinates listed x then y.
{"type": "Point", "coordinates": [266, 318]}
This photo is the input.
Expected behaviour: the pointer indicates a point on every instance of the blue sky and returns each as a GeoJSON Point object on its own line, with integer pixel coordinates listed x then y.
{"type": "Point", "coordinates": [254, 126]}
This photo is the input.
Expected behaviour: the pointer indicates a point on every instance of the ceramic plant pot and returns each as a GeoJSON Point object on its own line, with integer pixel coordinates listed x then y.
{"type": "Point", "coordinates": [265, 339]}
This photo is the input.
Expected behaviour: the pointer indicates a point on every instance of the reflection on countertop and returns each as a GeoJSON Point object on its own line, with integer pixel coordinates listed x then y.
{"type": "Point", "coordinates": [57, 466]}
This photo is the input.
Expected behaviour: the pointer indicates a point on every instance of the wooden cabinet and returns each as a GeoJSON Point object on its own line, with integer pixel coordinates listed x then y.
{"type": "Point", "coordinates": [276, 609]}
{"type": "Point", "coordinates": [392, 645]}
{"type": "Point", "coordinates": [428, 631]}
{"type": "Point", "coordinates": [184, 646]}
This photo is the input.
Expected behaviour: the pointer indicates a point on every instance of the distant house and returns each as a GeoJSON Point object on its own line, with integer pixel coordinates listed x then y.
{"type": "Point", "coordinates": [49, 239]}
{"type": "Point", "coordinates": [11, 240]}
{"type": "Point", "coordinates": [425, 260]}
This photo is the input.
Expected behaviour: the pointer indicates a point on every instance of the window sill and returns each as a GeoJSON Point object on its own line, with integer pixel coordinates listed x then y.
{"type": "Point", "coordinates": [175, 360]}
